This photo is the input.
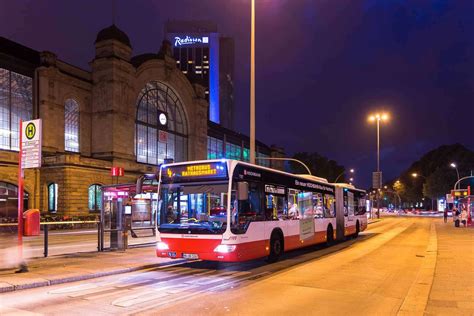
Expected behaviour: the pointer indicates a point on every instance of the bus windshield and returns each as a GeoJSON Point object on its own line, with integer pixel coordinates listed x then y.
{"type": "Point", "coordinates": [194, 209]}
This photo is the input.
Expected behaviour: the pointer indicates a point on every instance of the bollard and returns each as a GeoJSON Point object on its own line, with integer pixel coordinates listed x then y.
{"type": "Point", "coordinates": [45, 230]}
{"type": "Point", "coordinates": [98, 237]}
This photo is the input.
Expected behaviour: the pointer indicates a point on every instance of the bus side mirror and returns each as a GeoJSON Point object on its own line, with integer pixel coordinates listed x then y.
{"type": "Point", "coordinates": [242, 191]}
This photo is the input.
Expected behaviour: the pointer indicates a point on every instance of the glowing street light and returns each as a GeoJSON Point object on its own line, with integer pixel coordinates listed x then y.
{"type": "Point", "coordinates": [453, 165]}
{"type": "Point", "coordinates": [337, 178]}
{"type": "Point", "coordinates": [377, 117]}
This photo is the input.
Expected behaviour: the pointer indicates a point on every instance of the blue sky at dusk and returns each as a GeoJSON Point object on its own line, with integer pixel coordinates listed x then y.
{"type": "Point", "coordinates": [322, 66]}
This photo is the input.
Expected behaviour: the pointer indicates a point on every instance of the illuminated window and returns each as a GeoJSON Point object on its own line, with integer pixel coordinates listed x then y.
{"type": "Point", "coordinates": [16, 104]}
{"type": "Point", "coordinates": [185, 71]}
{"type": "Point", "coordinates": [53, 197]}
{"type": "Point", "coordinates": [95, 198]}
{"type": "Point", "coordinates": [153, 144]}
{"type": "Point", "coordinates": [9, 200]}
{"type": "Point", "coordinates": [233, 151]}
{"type": "Point", "coordinates": [71, 125]}
{"type": "Point", "coordinates": [215, 148]}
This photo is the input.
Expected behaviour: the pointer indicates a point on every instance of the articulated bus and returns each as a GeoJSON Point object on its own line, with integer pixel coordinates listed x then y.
{"type": "Point", "coordinates": [228, 210]}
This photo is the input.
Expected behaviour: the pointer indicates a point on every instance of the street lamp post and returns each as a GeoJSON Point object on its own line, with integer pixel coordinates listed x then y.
{"type": "Point", "coordinates": [252, 85]}
{"type": "Point", "coordinates": [377, 118]}
{"type": "Point", "coordinates": [287, 159]}
{"type": "Point", "coordinates": [337, 178]}
{"type": "Point", "coordinates": [416, 175]}
{"type": "Point", "coordinates": [455, 167]}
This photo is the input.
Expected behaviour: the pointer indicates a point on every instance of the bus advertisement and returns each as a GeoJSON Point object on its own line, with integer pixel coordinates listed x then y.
{"type": "Point", "coordinates": [228, 210]}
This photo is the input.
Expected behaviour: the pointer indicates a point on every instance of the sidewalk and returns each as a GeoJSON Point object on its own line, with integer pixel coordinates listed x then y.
{"type": "Point", "coordinates": [452, 292]}
{"type": "Point", "coordinates": [81, 266]}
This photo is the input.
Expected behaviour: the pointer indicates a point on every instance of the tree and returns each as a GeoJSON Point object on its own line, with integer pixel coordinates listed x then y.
{"type": "Point", "coordinates": [319, 165]}
{"type": "Point", "coordinates": [439, 183]}
{"type": "Point", "coordinates": [435, 161]}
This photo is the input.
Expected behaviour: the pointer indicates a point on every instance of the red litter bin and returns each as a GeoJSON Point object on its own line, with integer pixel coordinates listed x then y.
{"type": "Point", "coordinates": [31, 223]}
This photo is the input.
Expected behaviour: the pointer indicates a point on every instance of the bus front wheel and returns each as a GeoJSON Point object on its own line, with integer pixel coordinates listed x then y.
{"type": "Point", "coordinates": [276, 247]}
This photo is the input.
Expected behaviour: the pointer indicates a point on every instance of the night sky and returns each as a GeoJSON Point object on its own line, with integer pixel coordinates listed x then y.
{"type": "Point", "coordinates": [322, 66]}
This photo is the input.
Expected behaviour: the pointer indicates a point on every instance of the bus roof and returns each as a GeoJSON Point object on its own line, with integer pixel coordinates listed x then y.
{"type": "Point", "coordinates": [239, 162]}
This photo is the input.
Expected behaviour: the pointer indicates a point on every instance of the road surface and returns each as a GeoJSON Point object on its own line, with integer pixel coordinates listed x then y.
{"type": "Point", "coordinates": [379, 273]}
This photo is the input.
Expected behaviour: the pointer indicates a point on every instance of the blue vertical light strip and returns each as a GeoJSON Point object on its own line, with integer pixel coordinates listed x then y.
{"type": "Point", "coordinates": [214, 114]}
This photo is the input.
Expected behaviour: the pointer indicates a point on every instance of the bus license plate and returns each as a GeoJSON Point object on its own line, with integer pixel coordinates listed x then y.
{"type": "Point", "coordinates": [190, 256]}
{"type": "Point", "coordinates": [172, 254]}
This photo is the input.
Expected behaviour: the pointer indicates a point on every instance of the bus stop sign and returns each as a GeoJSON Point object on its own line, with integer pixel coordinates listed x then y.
{"type": "Point", "coordinates": [31, 144]}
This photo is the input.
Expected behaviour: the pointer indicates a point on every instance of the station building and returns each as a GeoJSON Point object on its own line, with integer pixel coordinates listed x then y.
{"type": "Point", "coordinates": [104, 117]}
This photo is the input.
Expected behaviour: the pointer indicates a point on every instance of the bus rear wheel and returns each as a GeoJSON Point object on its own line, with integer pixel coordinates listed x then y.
{"type": "Point", "coordinates": [276, 248]}
{"type": "Point", "coordinates": [357, 230]}
{"type": "Point", "coordinates": [329, 236]}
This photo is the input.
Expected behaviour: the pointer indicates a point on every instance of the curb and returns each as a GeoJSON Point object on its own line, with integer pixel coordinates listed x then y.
{"type": "Point", "coordinates": [12, 288]}
{"type": "Point", "coordinates": [417, 297]}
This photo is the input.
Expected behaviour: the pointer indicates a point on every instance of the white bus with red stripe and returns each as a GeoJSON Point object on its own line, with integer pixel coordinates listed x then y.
{"type": "Point", "coordinates": [228, 210]}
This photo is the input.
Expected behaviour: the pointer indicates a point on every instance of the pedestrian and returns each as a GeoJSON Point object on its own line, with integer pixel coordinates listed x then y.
{"type": "Point", "coordinates": [464, 216]}
{"type": "Point", "coordinates": [456, 217]}
{"type": "Point", "coordinates": [445, 214]}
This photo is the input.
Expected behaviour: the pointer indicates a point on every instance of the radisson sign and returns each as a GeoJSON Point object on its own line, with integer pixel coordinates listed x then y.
{"type": "Point", "coordinates": [189, 40]}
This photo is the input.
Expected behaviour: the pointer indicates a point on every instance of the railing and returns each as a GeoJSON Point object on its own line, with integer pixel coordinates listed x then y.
{"type": "Point", "coordinates": [46, 232]}
{"type": "Point", "coordinates": [101, 230]}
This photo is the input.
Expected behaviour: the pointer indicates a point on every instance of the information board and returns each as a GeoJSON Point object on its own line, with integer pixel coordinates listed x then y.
{"type": "Point", "coordinates": [31, 144]}
{"type": "Point", "coordinates": [306, 228]}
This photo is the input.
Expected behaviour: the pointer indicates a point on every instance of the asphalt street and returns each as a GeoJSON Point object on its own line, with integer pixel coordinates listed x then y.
{"type": "Point", "coordinates": [375, 274]}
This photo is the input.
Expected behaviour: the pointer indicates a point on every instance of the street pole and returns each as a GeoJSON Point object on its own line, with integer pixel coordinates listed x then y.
{"type": "Point", "coordinates": [22, 265]}
{"type": "Point", "coordinates": [378, 165]}
{"type": "Point", "coordinates": [252, 85]}
{"type": "Point", "coordinates": [378, 145]}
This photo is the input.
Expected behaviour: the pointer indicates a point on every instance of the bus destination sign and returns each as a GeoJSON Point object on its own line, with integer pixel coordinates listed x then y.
{"type": "Point", "coordinates": [212, 170]}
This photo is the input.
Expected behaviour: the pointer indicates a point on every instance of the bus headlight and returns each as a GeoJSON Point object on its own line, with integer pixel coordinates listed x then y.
{"type": "Point", "coordinates": [162, 246]}
{"type": "Point", "coordinates": [225, 248]}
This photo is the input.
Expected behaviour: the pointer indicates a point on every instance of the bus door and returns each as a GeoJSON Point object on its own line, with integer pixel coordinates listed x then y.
{"type": "Point", "coordinates": [276, 208]}
{"type": "Point", "coordinates": [340, 213]}
{"type": "Point", "coordinates": [349, 211]}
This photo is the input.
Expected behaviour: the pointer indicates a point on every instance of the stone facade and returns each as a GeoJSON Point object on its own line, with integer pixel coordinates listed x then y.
{"type": "Point", "coordinates": [107, 97]}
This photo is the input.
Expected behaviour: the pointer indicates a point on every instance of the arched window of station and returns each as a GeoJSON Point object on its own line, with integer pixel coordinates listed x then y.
{"type": "Point", "coordinates": [161, 127]}
{"type": "Point", "coordinates": [9, 200]}
{"type": "Point", "coordinates": [95, 198]}
{"type": "Point", "coordinates": [53, 197]}
{"type": "Point", "coordinates": [71, 125]}
{"type": "Point", "coordinates": [16, 103]}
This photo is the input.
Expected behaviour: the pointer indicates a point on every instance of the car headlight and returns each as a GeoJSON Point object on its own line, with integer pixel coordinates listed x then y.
{"type": "Point", "coordinates": [162, 246]}
{"type": "Point", "coordinates": [225, 248]}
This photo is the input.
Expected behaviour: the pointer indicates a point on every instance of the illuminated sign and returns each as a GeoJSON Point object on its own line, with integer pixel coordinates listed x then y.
{"type": "Point", "coordinates": [187, 172]}
{"type": "Point", "coordinates": [116, 172]}
{"type": "Point", "coordinates": [188, 40]}
{"type": "Point", "coordinates": [274, 190]}
{"type": "Point", "coordinates": [314, 186]}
